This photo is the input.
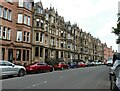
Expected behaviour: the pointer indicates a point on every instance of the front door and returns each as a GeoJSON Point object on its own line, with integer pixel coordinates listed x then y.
{"type": "Point", "coordinates": [10, 55]}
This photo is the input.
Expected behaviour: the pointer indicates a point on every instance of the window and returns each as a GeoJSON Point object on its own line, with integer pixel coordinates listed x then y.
{"type": "Point", "coordinates": [39, 10]}
{"type": "Point", "coordinates": [19, 35]}
{"type": "Point", "coordinates": [5, 13]}
{"type": "Point", "coordinates": [68, 55]}
{"type": "Point", "coordinates": [36, 51]}
{"type": "Point", "coordinates": [8, 33]}
{"type": "Point", "coordinates": [46, 39]}
{"type": "Point", "coordinates": [4, 32]}
{"type": "Point", "coordinates": [61, 44]}
{"type": "Point", "coordinates": [61, 54]}
{"type": "Point", "coordinates": [41, 52]}
{"type": "Point", "coordinates": [52, 19]}
{"type": "Point", "coordinates": [42, 24]}
{"type": "Point", "coordinates": [68, 45]}
{"type": "Point", "coordinates": [41, 37]}
{"type": "Point", "coordinates": [27, 55]}
{"type": "Point", "coordinates": [37, 36]}
{"type": "Point", "coordinates": [20, 3]}
{"type": "Point", "coordinates": [27, 4]}
{"type": "Point", "coordinates": [62, 33]}
{"type": "Point", "coordinates": [37, 22]}
{"type": "Point", "coordinates": [18, 54]}
{"type": "Point", "coordinates": [20, 18]}
{"type": "Point", "coordinates": [0, 11]}
{"type": "Point", "coordinates": [9, 14]}
{"type": "Point", "coordinates": [3, 53]}
{"type": "Point", "coordinates": [28, 21]}
{"type": "Point", "coordinates": [46, 17]}
{"type": "Point", "coordinates": [28, 36]}
{"type": "Point", "coordinates": [25, 19]}
{"type": "Point", "coordinates": [24, 55]}
{"type": "Point", "coordinates": [57, 32]}
{"type": "Point", "coordinates": [1, 31]}
{"type": "Point", "coordinates": [24, 36]}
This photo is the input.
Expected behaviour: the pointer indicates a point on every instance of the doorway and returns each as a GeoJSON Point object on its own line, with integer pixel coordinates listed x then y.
{"type": "Point", "coordinates": [10, 55]}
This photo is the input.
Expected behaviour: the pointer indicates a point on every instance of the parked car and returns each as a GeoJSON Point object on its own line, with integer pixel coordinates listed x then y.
{"type": "Point", "coordinates": [109, 62]}
{"type": "Point", "coordinates": [114, 74]}
{"type": "Point", "coordinates": [61, 66]}
{"type": "Point", "coordinates": [73, 65]}
{"type": "Point", "coordinates": [38, 67]}
{"type": "Point", "coordinates": [10, 69]}
{"type": "Point", "coordinates": [89, 63]}
{"type": "Point", "coordinates": [81, 64]}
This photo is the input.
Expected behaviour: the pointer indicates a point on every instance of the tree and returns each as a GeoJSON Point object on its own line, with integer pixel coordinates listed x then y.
{"type": "Point", "coordinates": [116, 31]}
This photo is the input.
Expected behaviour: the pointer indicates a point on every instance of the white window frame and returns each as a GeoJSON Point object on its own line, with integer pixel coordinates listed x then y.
{"type": "Point", "coordinates": [19, 18]}
{"type": "Point", "coordinates": [20, 3]}
{"type": "Point", "coordinates": [28, 37]}
{"type": "Point", "coordinates": [41, 37]}
{"type": "Point", "coordinates": [9, 14]}
{"type": "Point", "coordinates": [25, 36]}
{"type": "Point", "coordinates": [5, 13]}
{"type": "Point", "coordinates": [25, 19]}
{"type": "Point", "coordinates": [28, 21]}
{"type": "Point", "coordinates": [19, 35]}
{"type": "Point", "coordinates": [8, 33]}
{"type": "Point", "coordinates": [4, 37]}
{"type": "Point", "coordinates": [38, 36]}
{"type": "Point", "coordinates": [47, 17]}
{"type": "Point", "coordinates": [1, 11]}
{"type": "Point", "coordinates": [1, 30]}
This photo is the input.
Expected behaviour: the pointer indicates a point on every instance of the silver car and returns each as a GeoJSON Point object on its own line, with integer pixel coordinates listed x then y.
{"type": "Point", "coordinates": [9, 69]}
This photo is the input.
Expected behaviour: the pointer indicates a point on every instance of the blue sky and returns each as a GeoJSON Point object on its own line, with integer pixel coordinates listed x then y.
{"type": "Point", "coordinates": [94, 16]}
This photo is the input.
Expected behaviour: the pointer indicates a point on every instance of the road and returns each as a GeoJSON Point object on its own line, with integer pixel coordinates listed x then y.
{"type": "Point", "coordinates": [80, 78]}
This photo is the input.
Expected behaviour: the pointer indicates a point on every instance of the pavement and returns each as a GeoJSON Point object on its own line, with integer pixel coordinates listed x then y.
{"type": "Point", "coordinates": [96, 77]}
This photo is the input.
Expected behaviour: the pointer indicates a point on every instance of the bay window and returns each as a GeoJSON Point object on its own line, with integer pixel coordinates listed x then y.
{"type": "Point", "coordinates": [0, 11]}
{"type": "Point", "coordinates": [9, 14]}
{"type": "Point", "coordinates": [20, 18]}
{"type": "Point", "coordinates": [5, 13]}
{"type": "Point", "coordinates": [28, 36]}
{"type": "Point", "coordinates": [20, 4]}
{"type": "Point", "coordinates": [4, 32]}
{"type": "Point", "coordinates": [1, 31]}
{"type": "Point", "coordinates": [19, 35]}
{"type": "Point", "coordinates": [25, 19]}
{"type": "Point", "coordinates": [28, 21]}
{"type": "Point", "coordinates": [8, 33]}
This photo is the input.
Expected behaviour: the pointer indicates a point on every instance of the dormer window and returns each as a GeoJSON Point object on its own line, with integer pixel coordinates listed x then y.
{"type": "Point", "coordinates": [39, 10]}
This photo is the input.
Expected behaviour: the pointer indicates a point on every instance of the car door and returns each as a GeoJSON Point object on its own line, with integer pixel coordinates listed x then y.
{"type": "Point", "coordinates": [11, 69]}
{"type": "Point", "coordinates": [3, 68]}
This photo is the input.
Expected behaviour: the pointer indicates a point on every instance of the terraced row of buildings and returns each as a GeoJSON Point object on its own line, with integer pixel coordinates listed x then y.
{"type": "Point", "coordinates": [29, 33]}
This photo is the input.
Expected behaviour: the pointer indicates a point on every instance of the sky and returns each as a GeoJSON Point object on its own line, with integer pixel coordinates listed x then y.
{"type": "Point", "coordinates": [94, 16]}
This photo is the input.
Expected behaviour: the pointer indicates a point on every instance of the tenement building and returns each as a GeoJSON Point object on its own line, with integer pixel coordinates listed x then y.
{"type": "Point", "coordinates": [15, 30]}
{"type": "Point", "coordinates": [30, 33]}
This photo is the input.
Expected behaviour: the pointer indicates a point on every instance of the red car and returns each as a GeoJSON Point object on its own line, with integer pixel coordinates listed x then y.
{"type": "Point", "coordinates": [38, 67]}
{"type": "Point", "coordinates": [61, 66]}
{"type": "Point", "coordinates": [81, 64]}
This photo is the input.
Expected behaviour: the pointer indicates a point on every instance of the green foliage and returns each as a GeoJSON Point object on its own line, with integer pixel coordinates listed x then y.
{"type": "Point", "coordinates": [116, 31]}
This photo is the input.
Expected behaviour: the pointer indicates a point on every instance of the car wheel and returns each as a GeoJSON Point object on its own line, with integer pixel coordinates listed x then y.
{"type": "Point", "coordinates": [21, 73]}
{"type": "Point", "coordinates": [51, 69]}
